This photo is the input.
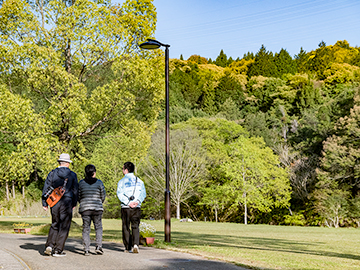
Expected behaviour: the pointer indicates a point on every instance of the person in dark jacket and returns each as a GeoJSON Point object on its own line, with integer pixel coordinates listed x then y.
{"type": "Point", "coordinates": [61, 213]}
{"type": "Point", "coordinates": [91, 197]}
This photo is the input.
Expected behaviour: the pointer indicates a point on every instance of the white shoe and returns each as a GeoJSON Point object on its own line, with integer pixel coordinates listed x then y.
{"type": "Point", "coordinates": [48, 250]}
{"type": "Point", "coordinates": [135, 249]}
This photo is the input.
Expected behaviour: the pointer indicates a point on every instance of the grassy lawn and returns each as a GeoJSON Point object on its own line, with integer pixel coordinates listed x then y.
{"type": "Point", "coordinates": [255, 246]}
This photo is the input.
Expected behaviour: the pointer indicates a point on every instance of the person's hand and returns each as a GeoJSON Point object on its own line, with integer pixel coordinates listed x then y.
{"type": "Point", "coordinates": [133, 204]}
{"type": "Point", "coordinates": [45, 208]}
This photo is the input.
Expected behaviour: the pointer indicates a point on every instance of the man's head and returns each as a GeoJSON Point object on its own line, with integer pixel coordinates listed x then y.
{"type": "Point", "coordinates": [129, 166]}
{"type": "Point", "coordinates": [64, 160]}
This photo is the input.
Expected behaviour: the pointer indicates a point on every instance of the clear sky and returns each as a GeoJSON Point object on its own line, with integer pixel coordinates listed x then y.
{"type": "Point", "coordinates": [204, 27]}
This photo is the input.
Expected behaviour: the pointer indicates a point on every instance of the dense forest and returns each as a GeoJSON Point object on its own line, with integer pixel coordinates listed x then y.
{"type": "Point", "coordinates": [266, 138]}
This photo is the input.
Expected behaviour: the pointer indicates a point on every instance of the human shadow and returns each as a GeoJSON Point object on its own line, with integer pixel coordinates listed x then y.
{"type": "Point", "coordinates": [72, 245]}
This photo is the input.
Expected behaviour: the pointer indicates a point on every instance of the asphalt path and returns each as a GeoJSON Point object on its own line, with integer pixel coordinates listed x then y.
{"type": "Point", "coordinates": [23, 251]}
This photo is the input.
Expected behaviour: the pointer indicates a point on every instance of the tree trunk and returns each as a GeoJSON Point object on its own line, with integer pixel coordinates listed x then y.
{"type": "Point", "coordinates": [216, 215]}
{"type": "Point", "coordinates": [23, 191]}
{"type": "Point", "coordinates": [13, 189]}
{"type": "Point", "coordinates": [245, 210]}
{"type": "Point", "coordinates": [7, 191]}
{"type": "Point", "coordinates": [178, 211]}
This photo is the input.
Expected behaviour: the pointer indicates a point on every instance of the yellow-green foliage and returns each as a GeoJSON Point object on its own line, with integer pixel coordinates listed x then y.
{"type": "Point", "coordinates": [240, 67]}
{"type": "Point", "coordinates": [46, 106]}
{"type": "Point", "coordinates": [342, 73]}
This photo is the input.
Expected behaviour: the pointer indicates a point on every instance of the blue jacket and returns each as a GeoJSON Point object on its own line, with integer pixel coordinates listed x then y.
{"type": "Point", "coordinates": [126, 188]}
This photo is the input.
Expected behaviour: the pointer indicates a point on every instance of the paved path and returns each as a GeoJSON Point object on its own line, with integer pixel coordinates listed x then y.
{"type": "Point", "coordinates": [19, 252]}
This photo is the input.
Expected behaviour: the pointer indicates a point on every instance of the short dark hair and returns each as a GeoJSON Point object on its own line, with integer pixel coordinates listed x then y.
{"type": "Point", "coordinates": [129, 166]}
{"type": "Point", "coordinates": [89, 171]}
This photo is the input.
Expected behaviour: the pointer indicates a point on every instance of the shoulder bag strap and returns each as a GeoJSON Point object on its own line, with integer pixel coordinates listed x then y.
{"type": "Point", "coordinates": [135, 186]}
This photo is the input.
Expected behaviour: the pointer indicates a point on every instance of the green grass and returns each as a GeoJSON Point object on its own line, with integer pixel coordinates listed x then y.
{"type": "Point", "coordinates": [254, 246]}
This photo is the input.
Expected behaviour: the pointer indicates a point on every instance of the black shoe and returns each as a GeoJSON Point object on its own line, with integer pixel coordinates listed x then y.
{"type": "Point", "coordinates": [99, 251]}
{"type": "Point", "coordinates": [59, 254]}
{"type": "Point", "coordinates": [86, 253]}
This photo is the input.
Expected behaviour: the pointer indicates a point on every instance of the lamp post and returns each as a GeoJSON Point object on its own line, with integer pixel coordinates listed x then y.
{"type": "Point", "coordinates": [152, 44]}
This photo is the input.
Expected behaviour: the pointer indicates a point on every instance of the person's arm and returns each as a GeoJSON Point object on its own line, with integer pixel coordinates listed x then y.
{"type": "Point", "coordinates": [120, 192]}
{"type": "Point", "coordinates": [75, 190]}
{"type": "Point", "coordinates": [47, 185]}
{"type": "Point", "coordinates": [140, 198]}
{"type": "Point", "coordinates": [142, 195]}
{"type": "Point", "coordinates": [102, 191]}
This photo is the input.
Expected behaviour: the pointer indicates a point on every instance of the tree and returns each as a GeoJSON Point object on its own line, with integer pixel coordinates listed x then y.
{"type": "Point", "coordinates": [339, 163]}
{"type": "Point", "coordinates": [263, 65]}
{"type": "Point", "coordinates": [198, 59]}
{"type": "Point", "coordinates": [341, 74]}
{"type": "Point", "coordinates": [254, 176]}
{"type": "Point", "coordinates": [221, 60]}
{"type": "Point", "coordinates": [214, 197]}
{"type": "Point", "coordinates": [230, 86]}
{"type": "Point", "coordinates": [187, 166]}
{"type": "Point", "coordinates": [301, 60]}
{"type": "Point", "coordinates": [51, 67]}
{"type": "Point", "coordinates": [284, 63]}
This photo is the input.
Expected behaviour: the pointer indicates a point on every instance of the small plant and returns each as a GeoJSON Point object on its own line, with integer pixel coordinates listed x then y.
{"type": "Point", "coordinates": [146, 230]}
{"type": "Point", "coordinates": [22, 225]}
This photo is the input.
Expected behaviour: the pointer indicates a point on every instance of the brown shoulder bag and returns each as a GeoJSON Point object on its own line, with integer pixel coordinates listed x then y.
{"type": "Point", "coordinates": [56, 195]}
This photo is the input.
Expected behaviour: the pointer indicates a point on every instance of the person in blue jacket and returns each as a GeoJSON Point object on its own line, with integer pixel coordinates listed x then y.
{"type": "Point", "coordinates": [131, 193]}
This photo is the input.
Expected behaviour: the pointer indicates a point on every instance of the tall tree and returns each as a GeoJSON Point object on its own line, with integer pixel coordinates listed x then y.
{"type": "Point", "coordinates": [50, 67]}
{"type": "Point", "coordinates": [284, 63]}
{"type": "Point", "coordinates": [186, 166]}
{"type": "Point", "coordinates": [255, 178]}
{"type": "Point", "coordinates": [264, 64]}
{"type": "Point", "coordinates": [221, 60]}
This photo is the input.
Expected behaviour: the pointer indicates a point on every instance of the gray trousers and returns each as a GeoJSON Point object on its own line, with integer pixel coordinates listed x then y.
{"type": "Point", "coordinates": [86, 230]}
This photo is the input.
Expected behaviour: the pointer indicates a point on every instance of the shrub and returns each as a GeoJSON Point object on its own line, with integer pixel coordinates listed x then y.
{"type": "Point", "coordinates": [146, 230]}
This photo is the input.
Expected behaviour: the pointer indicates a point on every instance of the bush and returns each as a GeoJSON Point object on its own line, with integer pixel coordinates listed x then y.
{"type": "Point", "coordinates": [297, 219]}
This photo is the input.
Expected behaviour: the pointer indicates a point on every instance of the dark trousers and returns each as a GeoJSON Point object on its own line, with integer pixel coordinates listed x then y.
{"type": "Point", "coordinates": [61, 215]}
{"type": "Point", "coordinates": [86, 230]}
{"type": "Point", "coordinates": [130, 217]}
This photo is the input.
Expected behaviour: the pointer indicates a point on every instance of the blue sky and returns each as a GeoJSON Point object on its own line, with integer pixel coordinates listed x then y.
{"type": "Point", "coordinates": [204, 27]}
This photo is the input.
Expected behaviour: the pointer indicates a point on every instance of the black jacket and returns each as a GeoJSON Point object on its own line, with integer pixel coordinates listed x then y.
{"type": "Point", "coordinates": [56, 179]}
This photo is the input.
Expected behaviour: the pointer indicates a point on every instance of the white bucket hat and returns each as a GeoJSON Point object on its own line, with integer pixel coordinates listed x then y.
{"type": "Point", "coordinates": [65, 158]}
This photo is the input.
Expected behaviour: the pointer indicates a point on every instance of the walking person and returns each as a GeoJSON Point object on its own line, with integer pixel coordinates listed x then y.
{"type": "Point", "coordinates": [91, 197]}
{"type": "Point", "coordinates": [131, 193]}
{"type": "Point", "coordinates": [61, 212]}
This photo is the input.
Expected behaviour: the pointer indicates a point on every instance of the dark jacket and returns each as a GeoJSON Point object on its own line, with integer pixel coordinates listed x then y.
{"type": "Point", "coordinates": [91, 195]}
{"type": "Point", "coordinates": [56, 179]}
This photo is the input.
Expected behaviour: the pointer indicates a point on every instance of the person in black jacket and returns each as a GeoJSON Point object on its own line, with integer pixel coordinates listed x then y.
{"type": "Point", "coordinates": [61, 213]}
{"type": "Point", "coordinates": [91, 197]}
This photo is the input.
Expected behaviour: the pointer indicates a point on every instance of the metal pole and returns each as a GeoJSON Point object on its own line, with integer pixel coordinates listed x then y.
{"type": "Point", "coordinates": [167, 149]}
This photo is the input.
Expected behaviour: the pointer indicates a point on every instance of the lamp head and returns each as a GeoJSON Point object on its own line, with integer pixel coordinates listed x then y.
{"type": "Point", "coordinates": [150, 44]}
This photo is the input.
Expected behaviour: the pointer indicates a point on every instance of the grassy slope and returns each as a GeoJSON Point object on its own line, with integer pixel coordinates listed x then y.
{"type": "Point", "coordinates": [258, 246]}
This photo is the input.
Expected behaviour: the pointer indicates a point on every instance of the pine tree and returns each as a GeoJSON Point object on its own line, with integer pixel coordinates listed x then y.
{"type": "Point", "coordinates": [301, 61]}
{"type": "Point", "coordinates": [264, 64]}
{"type": "Point", "coordinates": [221, 60]}
{"type": "Point", "coordinates": [284, 63]}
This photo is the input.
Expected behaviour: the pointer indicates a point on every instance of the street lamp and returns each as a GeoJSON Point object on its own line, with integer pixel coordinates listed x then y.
{"type": "Point", "coordinates": [152, 44]}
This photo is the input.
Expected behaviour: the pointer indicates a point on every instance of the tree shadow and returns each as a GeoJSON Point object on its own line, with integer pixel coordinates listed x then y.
{"type": "Point", "coordinates": [261, 244]}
